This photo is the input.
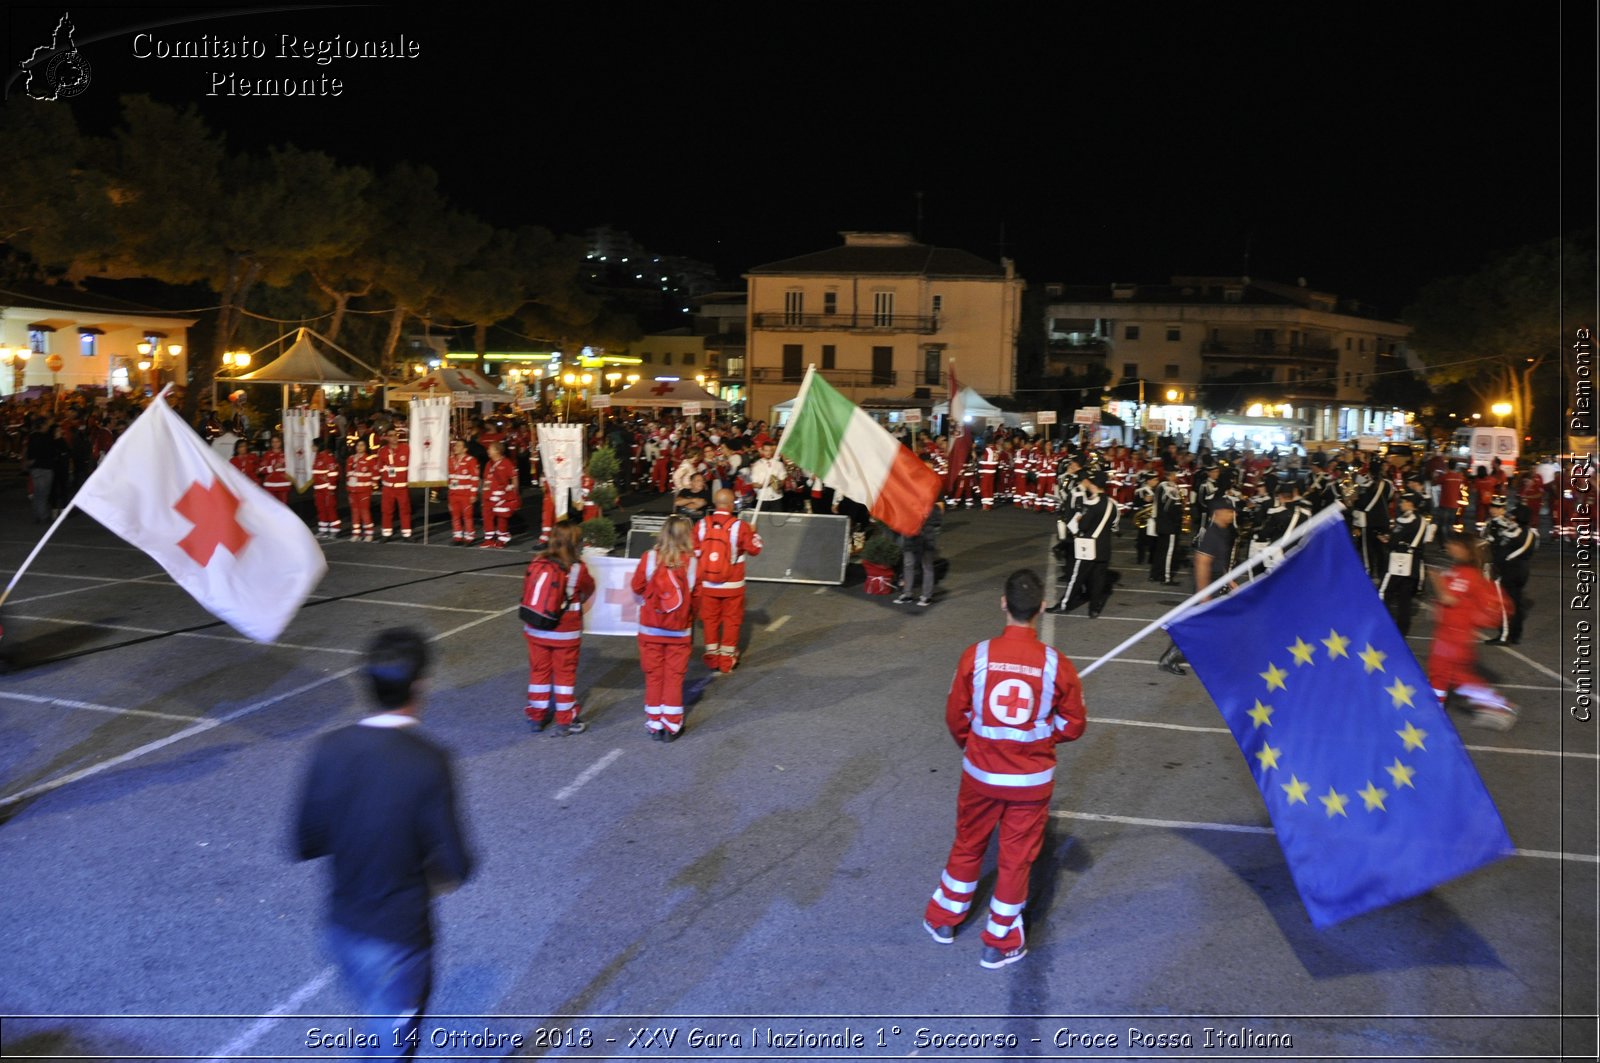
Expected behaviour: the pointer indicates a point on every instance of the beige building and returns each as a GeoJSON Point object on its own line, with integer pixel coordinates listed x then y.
{"type": "Point", "coordinates": [96, 338]}
{"type": "Point", "coordinates": [1301, 356]}
{"type": "Point", "coordinates": [882, 317]}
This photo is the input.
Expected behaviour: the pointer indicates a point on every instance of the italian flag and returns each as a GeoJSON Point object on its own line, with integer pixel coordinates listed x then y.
{"type": "Point", "coordinates": [831, 438]}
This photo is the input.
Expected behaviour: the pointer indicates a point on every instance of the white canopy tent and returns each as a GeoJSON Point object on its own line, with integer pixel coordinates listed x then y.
{"type": "Point", "coordinates": [979, 409]}
{"type": "Point", "coordinates": [666, 392]}
{"type": "Point", "coordinates": [302, 363]}
{"type": "Point", "coordinates": [464, 386]}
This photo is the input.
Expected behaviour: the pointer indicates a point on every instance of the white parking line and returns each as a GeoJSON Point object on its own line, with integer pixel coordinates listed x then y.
{"type": "Point", "coordinates": [92, 623]}
{"type": "Point", "coordinates": [1535, 665]}
{"type": "Point", "coordinates": [420, 605]}
{"type": "Point", "coordinates": [237, 1047]}
{"type": "Point", "coordinates": [80, 590]}
{"type": "Point", "coordinates": [776, 624]}
{"type": "Point", "coordinates": [474, 623]}
{"type": "Point", "coordinates": [89, 706]}
{"type": "Point", "coordinates": [1245, 828]}
{"type": "Point", "coordinates": [240, 639]}
{"type": "Point", "coordinates": [1223, 730]}
{"type": "Point", "coordinates": [588, 773]}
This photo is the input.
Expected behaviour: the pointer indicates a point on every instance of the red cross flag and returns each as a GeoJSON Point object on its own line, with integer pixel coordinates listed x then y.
{"type": "Point", "coordinates": [244, 555]}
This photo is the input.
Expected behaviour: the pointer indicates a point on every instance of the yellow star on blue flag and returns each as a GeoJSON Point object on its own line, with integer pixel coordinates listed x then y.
{"type": "Point", "coordinates": [1351, 845]}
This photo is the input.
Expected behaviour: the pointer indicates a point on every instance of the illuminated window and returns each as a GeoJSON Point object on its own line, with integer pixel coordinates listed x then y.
{"type": "Point", "coordinates": [87, 344]}
{"type": "Point", "coordinates": [36, 341]}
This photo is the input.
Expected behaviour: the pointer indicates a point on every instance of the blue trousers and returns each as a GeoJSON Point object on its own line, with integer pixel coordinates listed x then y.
{"type": "Point", "coordinates": [391, 982]}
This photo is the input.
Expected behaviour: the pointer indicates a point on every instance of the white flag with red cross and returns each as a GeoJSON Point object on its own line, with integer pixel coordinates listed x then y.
{"type": "Point", "coordinates": [244, 555]}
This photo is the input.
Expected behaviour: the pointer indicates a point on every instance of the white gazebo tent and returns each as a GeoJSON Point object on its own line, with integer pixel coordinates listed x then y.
{"type": "Point", "coordinates": [302, 363]}
{"type": "Point", "coordinates": [666, 392]}
{"type": "Point", "coordinates": [466, 387]}
{"type": "Point", "coordinates": [979, 409]}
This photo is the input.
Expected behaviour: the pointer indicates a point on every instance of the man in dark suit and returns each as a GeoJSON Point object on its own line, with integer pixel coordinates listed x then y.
{"type": "Point", "coordinates": [380, 800]}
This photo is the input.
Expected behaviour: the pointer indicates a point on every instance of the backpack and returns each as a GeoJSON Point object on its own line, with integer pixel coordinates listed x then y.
{"type": "Point", "coordinates": [717, 553]}
{"type": "Point", "coordinates": [666, 592]}
{"type": "Point", "coordinates": [544, 594]}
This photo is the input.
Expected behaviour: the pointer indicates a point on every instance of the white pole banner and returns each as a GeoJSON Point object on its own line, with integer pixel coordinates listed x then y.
{"type": "Point", "coordinates": [299, 429]}
{"type": "Point", "coordinates": [691, 409]}
{"type": "Point", "coordinates": [1046, 417]}
{"type": "Point", "coordinates": [430, 441]}
{"type": "Point", "coordinates": [561, 457]}
{"type": "Point", "coordinates": [911, 416]}
{"type": "Point", "coordinates": [613, 609]}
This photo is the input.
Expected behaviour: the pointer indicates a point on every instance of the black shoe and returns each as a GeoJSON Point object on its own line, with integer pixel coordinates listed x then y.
{"type": "Point", "coordinates": [669, 736]}
{"type": "Point", "coordinates": [1169, 662]}
{"type": "Point", "coordinates": [536, 725]}
{"type": "Point", "coordinates": [1058, 610]}
{"type": "Point", "coordinates": [1093, 615]}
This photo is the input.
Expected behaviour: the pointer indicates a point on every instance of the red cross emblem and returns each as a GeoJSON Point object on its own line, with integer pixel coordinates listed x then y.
{"type": "Point", "coordinates": [1011, 701]}
{"type": "Point", "coordinates": [212, 512]}
{"type": "Point", "coordinates": [661, 388]}
{"type": "Point", "coordinates": [623, 596]}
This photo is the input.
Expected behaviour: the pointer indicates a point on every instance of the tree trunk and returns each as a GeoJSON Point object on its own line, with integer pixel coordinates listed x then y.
{"type": "Point", "coordinates": [392, 341]}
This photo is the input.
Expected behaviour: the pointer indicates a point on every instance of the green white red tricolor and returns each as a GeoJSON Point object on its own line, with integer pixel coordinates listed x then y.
{"type": "Point", "coordinates": [831, 438]}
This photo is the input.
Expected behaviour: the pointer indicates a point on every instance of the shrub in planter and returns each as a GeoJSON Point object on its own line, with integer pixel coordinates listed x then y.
{"type": "Point", "coordinates": [600, 532]}
{"type": "Point", "coordinates": [604, 495]}
{"type": "Point", "coordinates": [603, 465]}
{"type": "Point", "coordinates": [879, 558]}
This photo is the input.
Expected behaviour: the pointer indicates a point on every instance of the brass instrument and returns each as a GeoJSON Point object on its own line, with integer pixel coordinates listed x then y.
{"type": "Point", "coordinates": [1143, 516]}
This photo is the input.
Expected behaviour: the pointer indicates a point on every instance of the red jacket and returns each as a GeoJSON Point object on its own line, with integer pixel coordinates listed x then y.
{"type": "Point", "coordinates": [394, 463]}
{"type": "Point", "coordinates": [745, 543]}
{"type": "Point", "coordinates": [1012, 700]}
{"type": "Point", "coordinates": [463, 472]}
{"type": "Point", "coordinates": [652, 622]}
{"type": "Point", "coordinates": [274, 469]}
{"type": "Point", "coordinates": [580, 586]}
{"type": "Point", "coordinates": [1476, 605]}
{"type": "Point", "coordinates": [361, 471]}
{"type": "Point", "coordinates": [325, 472]}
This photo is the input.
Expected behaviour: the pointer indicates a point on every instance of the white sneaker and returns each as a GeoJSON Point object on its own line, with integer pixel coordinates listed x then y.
{"type": "Point", "coordinates": [924, 602]}
{"type": "Point", "coordinates": [904, 599]}
{"type": "Point", "coordinates": [1493, 717]}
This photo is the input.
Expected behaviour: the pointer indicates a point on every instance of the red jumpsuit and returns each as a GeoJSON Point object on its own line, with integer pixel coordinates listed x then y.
{"type": "Point", "coordinates": [1012, 700]}
{"type": "Point", "coordinates": [464, 475]}
{"type": "Point", "coordinates": [553, 655]}
{"type": "Point", "coordinates": [988, 464]}
{"type": "Point", "coordinates": [325, 489]}
{"type": "Point", "coordinates": [722, 542]}
{"type": "Point", "coordinates": [499, 500]}
{"type": "Point", "coordinates": [663, 650]}
{"type": "Point", "coordinates": [394, 461]}
{"type": "Point", "coordinates": [274, 473]}
{"type": "Point", "coordinates": [248, 464]}
{"type": "Point", "coordinates": [1453, 663]}
{"type": "Point", "coordinates": [360, 474]}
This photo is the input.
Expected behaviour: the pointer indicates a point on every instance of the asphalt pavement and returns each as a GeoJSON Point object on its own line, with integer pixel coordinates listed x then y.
{"type": "Point", "coordinates": [755, 889]}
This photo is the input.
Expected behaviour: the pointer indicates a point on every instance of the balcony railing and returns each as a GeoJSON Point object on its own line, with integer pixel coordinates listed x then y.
{"type": "Point", "coordinates": [868, 322]}
{"type": "Point", "coordinates": [1283, 352]}
{"type": "Point", "coordinates": [843, 378]}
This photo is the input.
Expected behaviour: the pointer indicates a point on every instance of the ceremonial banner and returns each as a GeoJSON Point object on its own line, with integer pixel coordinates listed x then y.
{"type": "Point", "coordinates": [911, 416]}
{"type": "Point", "coordinates": [834, 440]}
{"type": "Point", "coordinates": [1045, 417]}
{"type": "Point", "coordinates": [430, 441]}
{"type": "Point", "coordinates": [561, 457]}
{"type": "Point", "coordinates": [612, 609]}
{"type": "Point", "coordinates": [244, 555]}
{"type": "Point", "coordinates": [300, 428]}
{"type": "Point", "coordinates": [960, 434]}
{"type": "Point", "coordinates": [1372, 793]}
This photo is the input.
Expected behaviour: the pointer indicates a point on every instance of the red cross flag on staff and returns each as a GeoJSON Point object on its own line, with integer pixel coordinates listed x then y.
{"type": "Point", "coordinates": [244, 555]}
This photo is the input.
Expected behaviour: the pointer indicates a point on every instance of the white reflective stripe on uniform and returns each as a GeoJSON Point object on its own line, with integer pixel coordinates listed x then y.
{"type": "Point", "coordinates": [958, 907]}
{"type": "Point", "coordinates": [555, 636]}
{"type": "Point", "coordinates": [997, 930]}
{"type": "Point", "coordinates": [723, 586]}
{"type": "Point", "coordinates": [1047, 683]}
{"type": "Point", "coordinates": [663, 632]}
{"type": "Point", "coordinates": [1036, 779]}
{"type": "Point", "coordinates": [980, 678]}
{"type": "Point", "coordinates": [956, 885]}
{"type": "Point", "coordinates": [565, 690]}
{"type": "Point", "coordinates": [1041, 729]}
{"type": "Point", "coordinates": [538, 688]}
{"type": "Point", "coordinates": [1002, 908]}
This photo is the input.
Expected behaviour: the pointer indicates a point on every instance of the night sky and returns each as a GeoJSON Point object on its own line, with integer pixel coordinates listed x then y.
{"type": "Point", "coordinates": [1365, 147]}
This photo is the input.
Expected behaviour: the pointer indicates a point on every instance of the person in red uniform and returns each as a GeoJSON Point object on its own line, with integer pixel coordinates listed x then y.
{"type": "Point", "coordinates": [553, 654]}
{"type": "Point", "coordinates": [988, 465]}
{"type": "Point", "coordinates": [1452, 500]}
{"type": "Point", "coordinates": [274, 471]}
{"type": "Point", "coordinates": [325, 489]}
{"type": "Point", "coordinates": [361, 471]}
{"type": "Point", "coordinates": [464, 474]}
{"type": "Point", "coordinates": [1468, 602]}
{"type": "Point", "coordinates": [1012, 700]}
{"type": "Point", "coordinates": [394, 463]}
{"type": "Point", "coordinates": [500, 497]}
{"type": "Point", "coordinates": [722, 542]}
{"type": "Point", "coordinates": [666, 624]}
{"type": "Point", "coordinates": [246, 461]}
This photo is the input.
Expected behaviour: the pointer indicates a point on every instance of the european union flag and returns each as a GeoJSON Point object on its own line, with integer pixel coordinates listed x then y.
{"type": "Point", "coordinates": [1369, 787]}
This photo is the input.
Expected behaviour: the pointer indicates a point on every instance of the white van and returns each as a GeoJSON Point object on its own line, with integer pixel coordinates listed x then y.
{"type": "Point", "coordinates": [1480, 446]}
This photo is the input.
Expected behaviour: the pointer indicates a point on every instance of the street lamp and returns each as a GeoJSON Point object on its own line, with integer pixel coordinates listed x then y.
{"type": "Point", "coordinates": [572, 380]}
{"type": "Point", "coordinates": [1501, 410]}
{"type": "Point", "coordinates": [18, 360]}
{"type": "Point", "coordinates": [235, 360]}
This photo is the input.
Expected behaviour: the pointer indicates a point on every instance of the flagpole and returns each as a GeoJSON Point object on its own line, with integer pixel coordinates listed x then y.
{"type": "Point", "coordinates": [1327, 516]}
{"type": "Point", "coordinates": [799, 404]}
